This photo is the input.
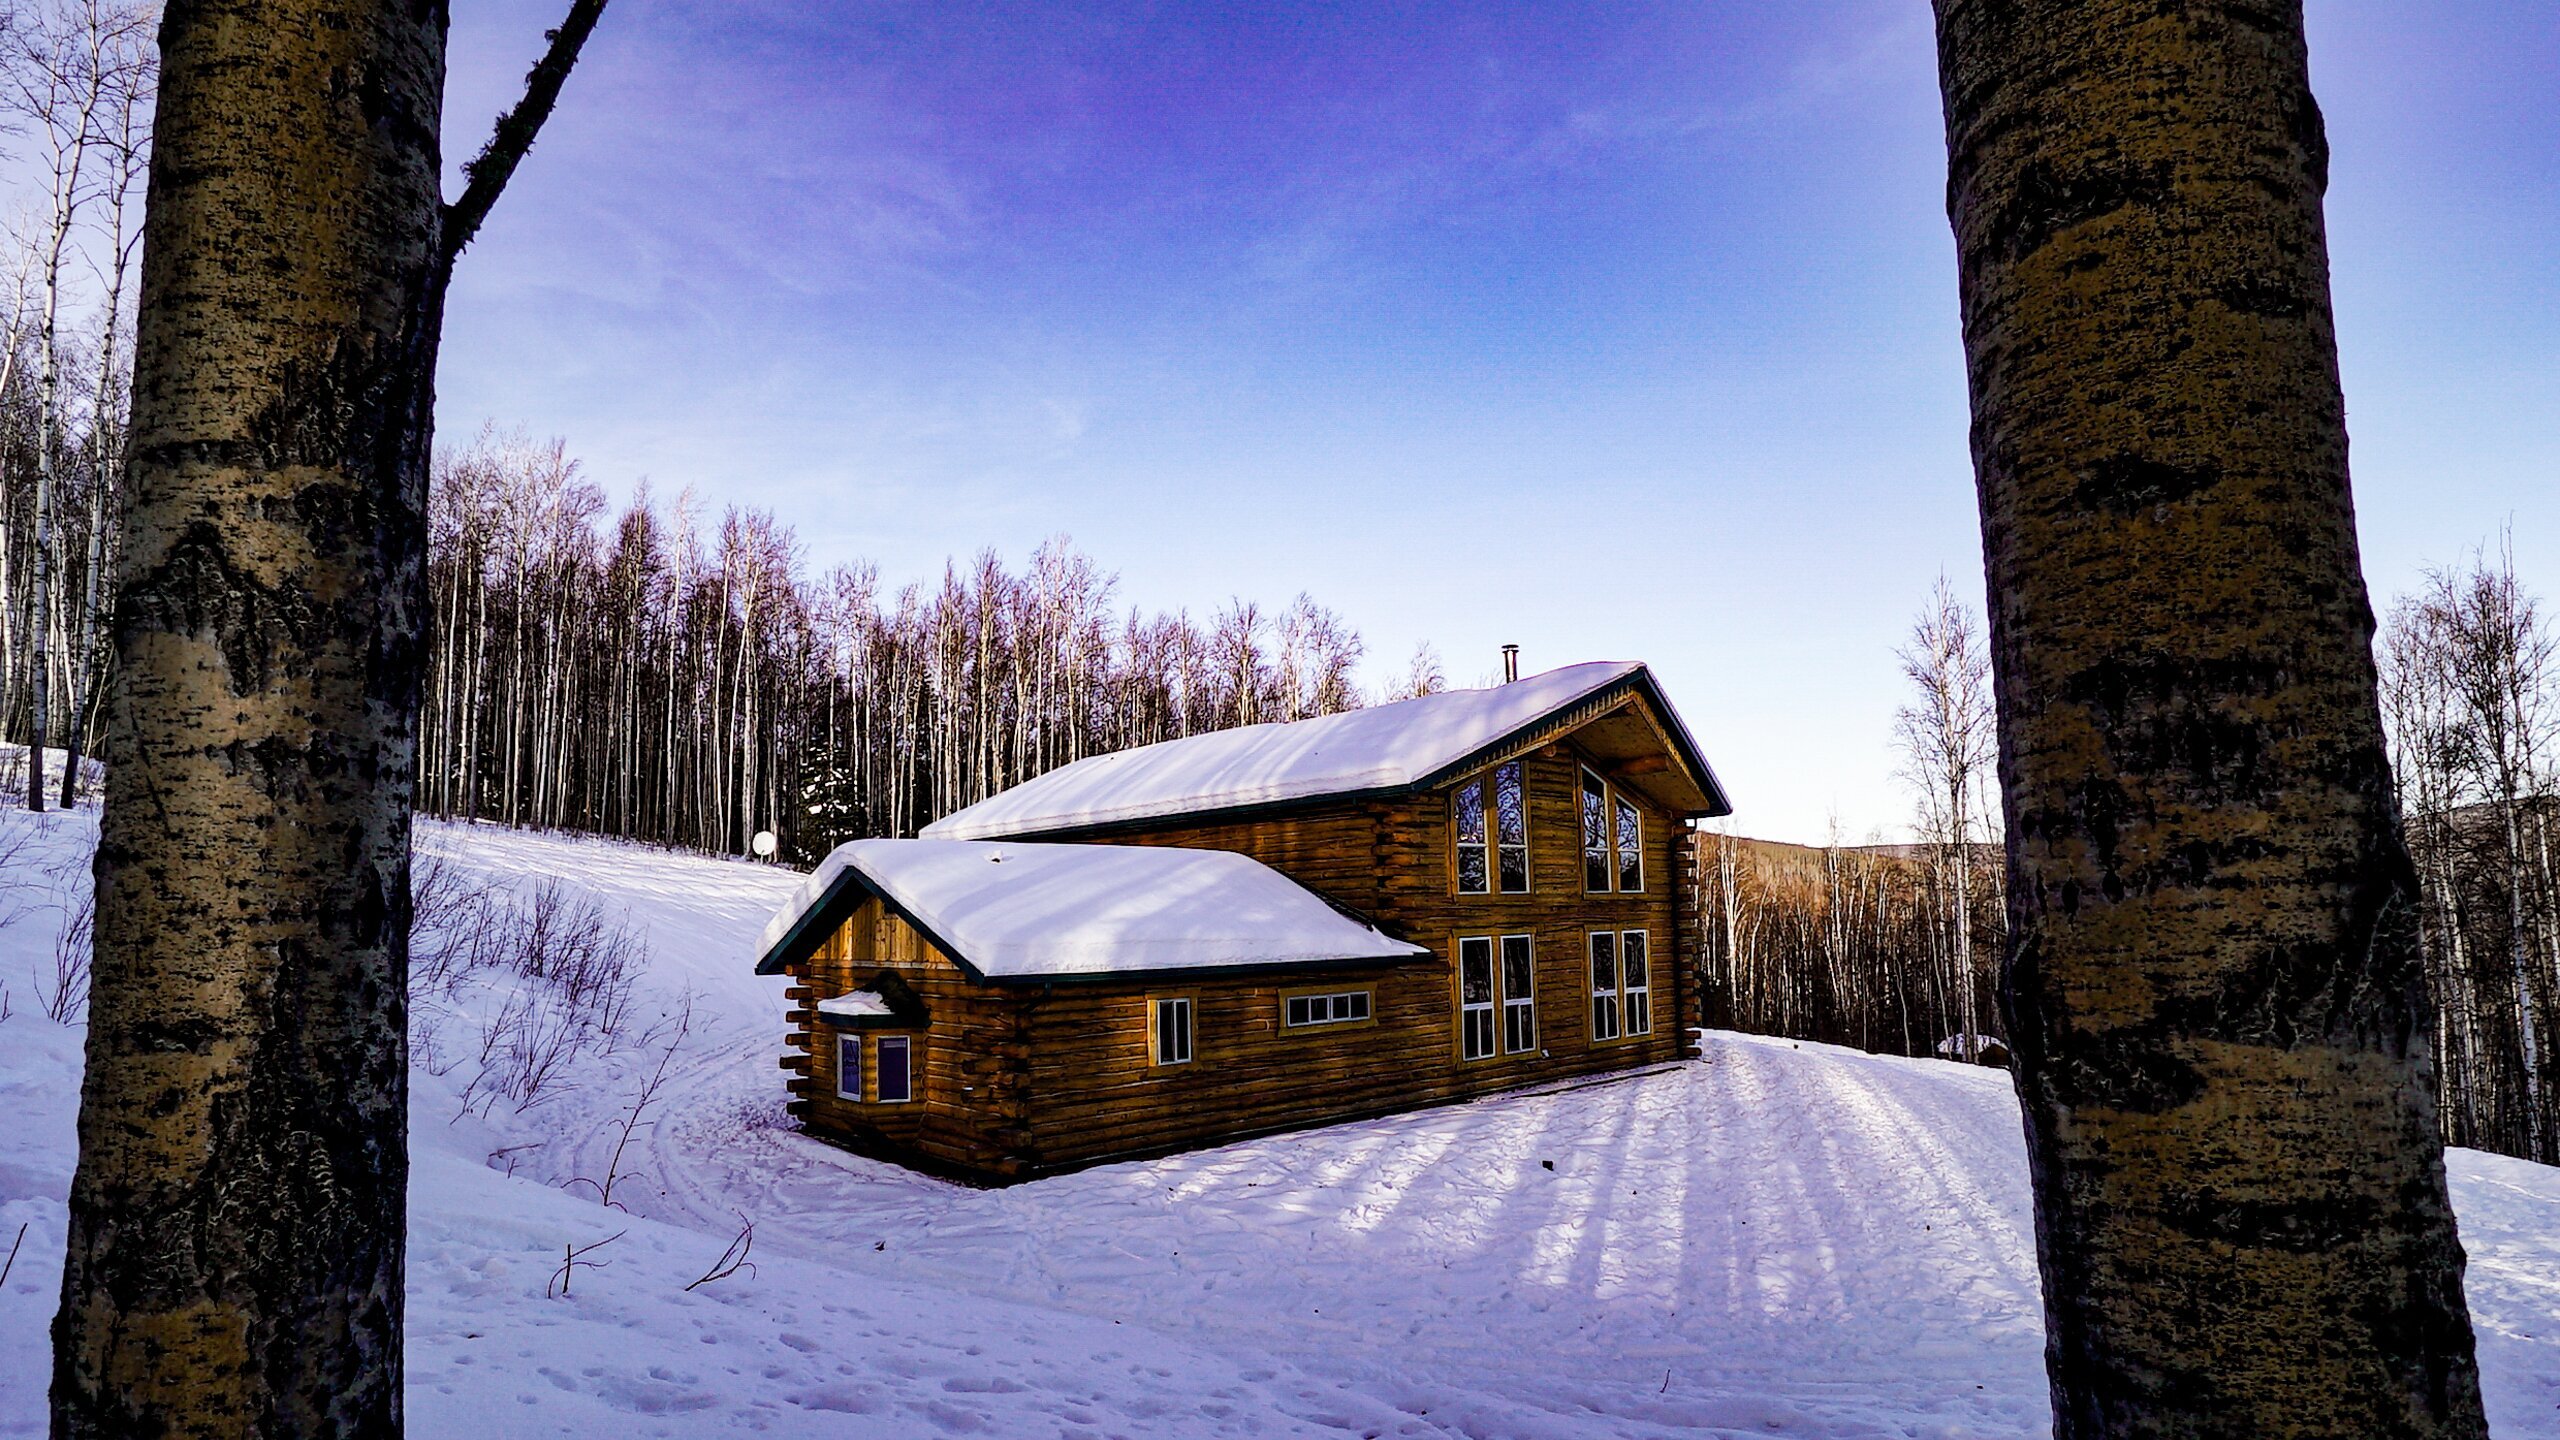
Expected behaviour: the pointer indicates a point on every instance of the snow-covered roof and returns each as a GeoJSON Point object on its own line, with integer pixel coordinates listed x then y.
{"type": "Point", "coordinates": [1383, 747]}
{"type": "Point", "coordinates": [861, 1003]}
{"type": "Point", "coordinates": [1029, 912]}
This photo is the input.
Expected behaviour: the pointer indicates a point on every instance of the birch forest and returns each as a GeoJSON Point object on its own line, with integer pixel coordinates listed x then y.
{"type": "Point", "coordinates": [669, 675]}
{"type": "Point", "coordinates": [1892, 947]}
{"type": "Point", "coordinates": [2472, 699]}
{"type": "Point", "coordinates": [76, 79]}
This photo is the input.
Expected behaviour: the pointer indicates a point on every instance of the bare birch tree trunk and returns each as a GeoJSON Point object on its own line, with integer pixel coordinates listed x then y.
{"type": "Point", "coordinates": [236, 1240]}
{"type": "Point", "coordinates": [2216, 995]}
{"type": "Point", "coordinates": [237, 1218]}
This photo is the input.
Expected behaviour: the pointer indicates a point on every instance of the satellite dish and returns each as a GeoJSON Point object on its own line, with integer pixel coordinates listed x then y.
{"type": "Point", "coordinates": [764, 844]}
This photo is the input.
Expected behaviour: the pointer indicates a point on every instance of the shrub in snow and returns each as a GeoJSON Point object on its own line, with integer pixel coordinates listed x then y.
{"type": "Point", "coordinates": [543, 976]}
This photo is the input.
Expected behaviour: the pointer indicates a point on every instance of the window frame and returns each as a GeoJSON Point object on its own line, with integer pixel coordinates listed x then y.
{"type": "Point", "coordinates": [1604, 999]}
{"type": "Point", "coordinates": [1486, 786]}
{"type": "Point", "coordinates": [1518, 770]}
{"type": "Point", "coordinates": [849, 1044]}
{"type": "Point", "coordinates": [1630, 994]}
{"type": "Point", "coordinates": [1613, 857]}
{"type": "Point", "coordinates": [1623, 808]}
{"type": "Point", "coordinates": [906, 1046]}
{"type": "Point", "coordinates": [1490, 1009]}
{"type": "Point", "coordinates": [1369, 1007]}
{"type": "Point", "coordinates": [1190, 1009]}
{"type": "Point", "coordinates": [1515, 1004]}
{"type": "Point", "coordinates": [1459, 844]}
{"type": "Point", "coordinates": [1595, 785]}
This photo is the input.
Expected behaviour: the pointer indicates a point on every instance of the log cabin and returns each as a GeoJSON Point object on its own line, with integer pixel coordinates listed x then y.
{"type": "Point", "coordinates": [1257, 929]}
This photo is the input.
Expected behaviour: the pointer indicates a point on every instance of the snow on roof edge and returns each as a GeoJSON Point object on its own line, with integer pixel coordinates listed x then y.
{"type": "Point", "coordinates": [1105, 911]}
{"type": "Point", "coordinates": [1285, 762]}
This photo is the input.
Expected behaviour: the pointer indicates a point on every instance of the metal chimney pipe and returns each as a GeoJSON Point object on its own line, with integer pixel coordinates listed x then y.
{"type": "Point", "coordinates": [1510, 663]}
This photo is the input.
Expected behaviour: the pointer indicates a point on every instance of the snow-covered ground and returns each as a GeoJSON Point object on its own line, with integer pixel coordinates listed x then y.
{"type": "Point", "coordinates": [1774, 1240]}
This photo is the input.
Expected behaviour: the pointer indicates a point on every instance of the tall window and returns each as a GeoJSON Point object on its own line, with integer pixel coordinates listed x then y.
{"type": "Point", "coordinates": [1604, 985]}
{"type": "Point", "coordinates": [1172, 1028]}
{"type": "Point", "coordinates": [1621, 984]}
{"type": "Point", "coordinates": [1489, 816]}
{"type": "Point", "coordinates": [1466, 821]}
{"type": "Point", "coordinates": [1519, 995]}
{"type": "Point", "coordinates": [848, 1067]}
{"type": "Point", "coordinates": [1475, 997]}
{"type": "Point", "coordinates": [892, 1078]}
{"type": "Point", "coordinates": [1630, 844]}
{"type": "Point", "coordinates": [1635, 978]}
{"type": "Point", "coordinates": [1511, 829]}
{"type": "Point", "coordinates": [1612, 838]}
{"type": "Point", "coordinates": [1596, 864]}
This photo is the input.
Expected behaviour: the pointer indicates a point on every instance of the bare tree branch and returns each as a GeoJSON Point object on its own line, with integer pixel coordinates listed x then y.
{"type": "Point", "coordinates": [487, 174]}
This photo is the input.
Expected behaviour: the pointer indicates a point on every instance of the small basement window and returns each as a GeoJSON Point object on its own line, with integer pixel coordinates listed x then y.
{"type": "Point", "coordinates": [848, 1067]}
{"type": "Point", "coordinates": [1172, 1027]}
{"type": "Point", "coordinates": [894, 1080]}
{"type": "Point", "coordinates": [1341, 1007]}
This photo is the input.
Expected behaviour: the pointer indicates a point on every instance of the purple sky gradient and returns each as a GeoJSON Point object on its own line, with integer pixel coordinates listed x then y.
{"type": "Point", "coordinates": [1613, 330]}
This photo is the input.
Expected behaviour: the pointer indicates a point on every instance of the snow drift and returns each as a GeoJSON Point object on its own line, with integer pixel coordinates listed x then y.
{"type": "Point", "coordinates": [1774, 1240]}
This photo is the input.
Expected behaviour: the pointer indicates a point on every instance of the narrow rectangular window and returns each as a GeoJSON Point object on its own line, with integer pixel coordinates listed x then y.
{"type": "Point", "coordinates": [1604, 985]}
{"type": "Point", "coordinates": [1346, 1007]}
{"type": "Point", "coordinates": [848, 1067]}
{"type": "Point", "coordinates": [1630, 844]}
{"type": "Point", "coordinates": [1511, 828]}
{"type": "Point", "coordinates": [1635, 977]}
{"type": "Point", "coordinates": [1466, 821]}
{"type": "Point", "coordinates": [1173, 1030]}
{"type": "Point", "coordinates": [1596, 864]}
{"type": "Point", "coordinates": [1475, 997]}
{"type": "Point", "coordinates": [893, 1080]}
{"type": "Point", "coordinates": [1519, 995]}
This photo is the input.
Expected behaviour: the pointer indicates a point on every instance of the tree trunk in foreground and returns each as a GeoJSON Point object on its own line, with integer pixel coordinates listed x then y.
{"type": "Point", "coordinates": [237, 1216]}
{"type": "Point", "coordinates": [2214, 984]}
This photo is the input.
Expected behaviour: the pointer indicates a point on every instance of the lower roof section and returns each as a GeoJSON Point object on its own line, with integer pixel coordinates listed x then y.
{"type": "Point", "coordinates": [1019, 912]}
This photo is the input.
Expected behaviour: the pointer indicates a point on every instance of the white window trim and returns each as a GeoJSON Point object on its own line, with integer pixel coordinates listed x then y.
{"type": "Point", "coordinates": [1618, 872]}
{"type": "Point", "coordinates": [1490, 1007]}
{"type": "Point", "coordinates": [1368, 1008]}
{"type": "Point", "coordinates": [906, 1044]}
{"type": "Point", "coordinates": [1493, 826]}
{"type": "Point", "coordinates": [1156, 1005]}
{"type": "Point", "coordinates": [1528, 1002]}
{"type": "Point", "coordinates": [1608, 830]}
{"type": "Point", "coordinates": [1459, 846]}
{"type": "Point", "coordinates": [1626, 991]}
{"type": "Point", "coordinates": [849, 1045]}
{"type": "Point", "coordinates": [1614, 994]}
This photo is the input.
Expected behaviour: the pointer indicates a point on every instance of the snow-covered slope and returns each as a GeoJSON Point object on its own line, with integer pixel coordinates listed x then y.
{"type": "Point", "coordinates": [1776, 1240]}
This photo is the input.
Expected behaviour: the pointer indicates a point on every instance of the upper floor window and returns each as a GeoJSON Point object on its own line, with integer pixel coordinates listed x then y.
{"type": "Point", "coordinates": [1489, 816]}
{"type": "Point", "coordinates": [1612, 838]}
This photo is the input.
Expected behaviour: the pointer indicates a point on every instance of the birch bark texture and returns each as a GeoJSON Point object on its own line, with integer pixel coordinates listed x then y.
{"type": "Point", "coordinates": [235, 1249]}
{"type": "Point", "coordinates": [2214, 984]}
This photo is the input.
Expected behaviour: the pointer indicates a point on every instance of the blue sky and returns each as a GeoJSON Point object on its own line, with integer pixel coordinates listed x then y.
{"type": "Point", "coordinates": [1611, 330]}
